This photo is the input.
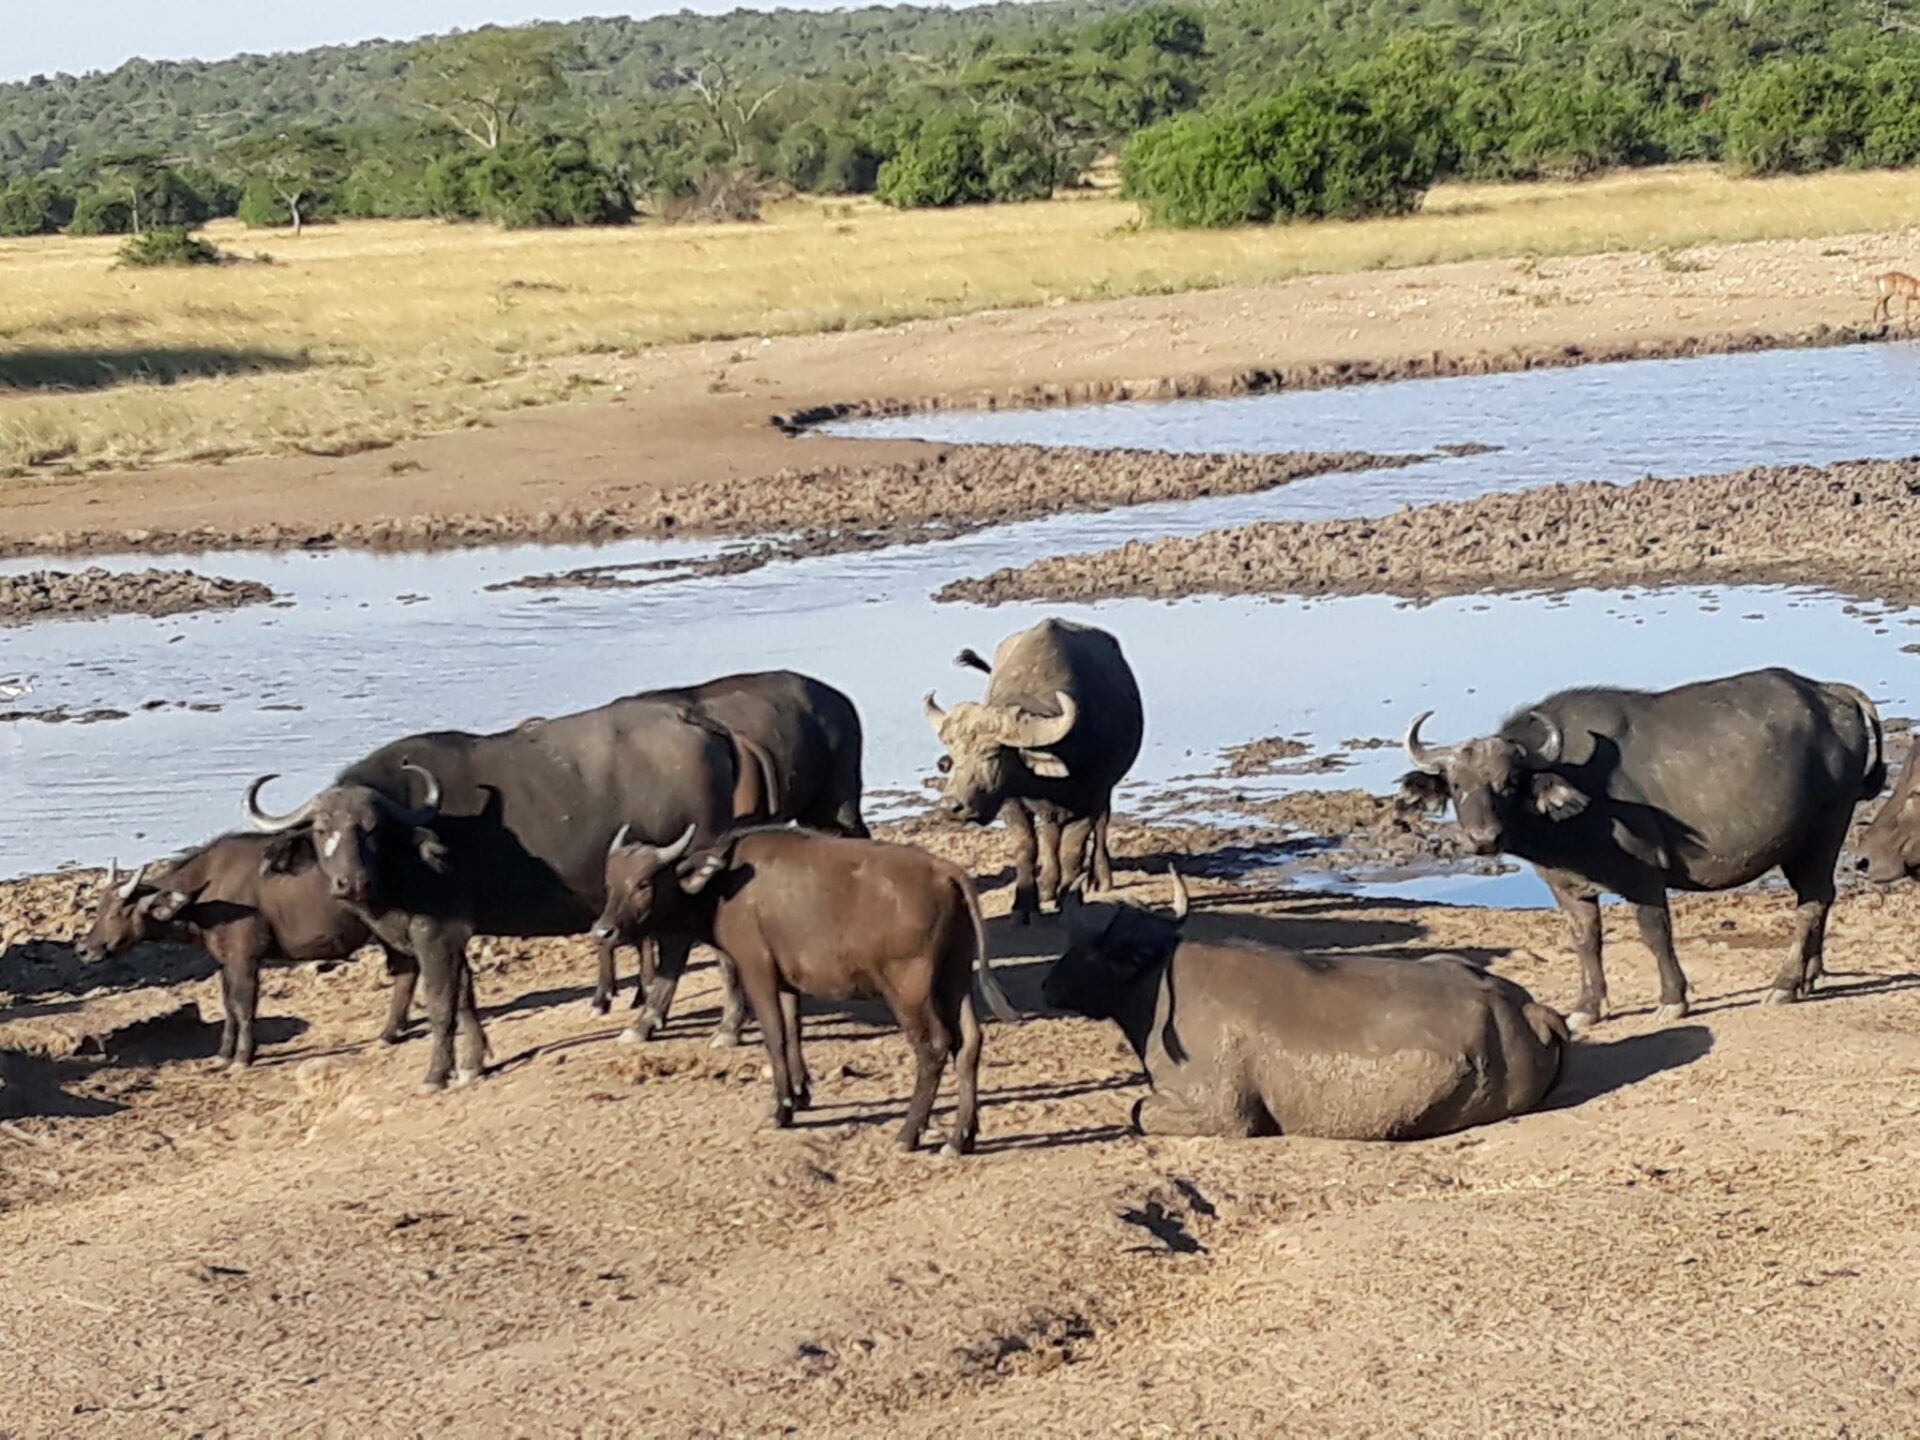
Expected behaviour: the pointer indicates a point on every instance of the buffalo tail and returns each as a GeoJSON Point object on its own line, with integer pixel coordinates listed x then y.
{"type": "Point", "coordinates": [990, 990]}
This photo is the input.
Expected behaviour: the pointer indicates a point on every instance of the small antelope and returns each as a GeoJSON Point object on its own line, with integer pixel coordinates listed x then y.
{"type": "Point", "coordinates": [1896, 282]}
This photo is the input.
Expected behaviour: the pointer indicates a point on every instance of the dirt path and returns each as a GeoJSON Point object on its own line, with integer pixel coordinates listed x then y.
{"type": "Point", "coordinates": [682, 418]}
{"type": "Point", "coordinates": [1710, 1234]}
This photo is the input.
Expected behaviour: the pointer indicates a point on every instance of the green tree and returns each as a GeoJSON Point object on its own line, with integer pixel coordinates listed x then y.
{"type": "Point", "coordinates": [549, 182]}
{"type": "Point", "coordinates": [482, 82]}
{"type": "Point", "coordinates": [298, 168]}
{"type": "Point", "coordinates": [1798, 113]}
{"type": "Point", "coordinates": [941, 165]}
{"type": "Point", "coordinates": [34, 207]}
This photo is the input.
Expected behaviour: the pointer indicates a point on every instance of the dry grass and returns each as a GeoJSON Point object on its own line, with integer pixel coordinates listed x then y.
{"type": "Point", "coordinates": [359, 335]}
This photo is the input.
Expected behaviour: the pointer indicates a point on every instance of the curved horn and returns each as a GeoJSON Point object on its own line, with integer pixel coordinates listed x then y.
{"type": "Point", "coordinates": [430, 802]}
{"type": "Point", "coordinates": [125, 892]}
{"type": "Point", "coordinates": [274, 823]}
{"type": "Point", "coordinates": [1548, 750]}
{"type": "Point", "coordinates": [619, 838]}
{"type": "Point", "coordinates": [1181, 902]}
{"type": "Point", "coordinates": [1430, 758]}
{"type": "Point", "coordinates": [113, 873]}
{"type": "Point", "coordinates": [932, 710]}
{"type": "Point", "coordinates": [1034, 732]}
{"type": "Point", "coordinates": [672, 853]}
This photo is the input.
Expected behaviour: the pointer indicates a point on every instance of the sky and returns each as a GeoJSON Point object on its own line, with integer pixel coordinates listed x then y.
{"type": "Point", "coordinates": [44, 36]}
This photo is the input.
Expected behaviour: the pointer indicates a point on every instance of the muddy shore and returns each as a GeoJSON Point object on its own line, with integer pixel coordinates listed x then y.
{"type": "Point", "coordinates": [93, 592]}
{"type": "Point", "coordinates": [1845, 526]}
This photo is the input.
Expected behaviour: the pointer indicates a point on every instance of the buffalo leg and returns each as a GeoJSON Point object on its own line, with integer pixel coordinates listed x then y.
{"type": "Point", "coordinates": [230, 1021]}
{"type": "Point", "coordinates": [245, 975]}
{"type": "Point", "coordinates": [1102, 856]}
{"type": "Point", "coordinates": [474, 1049]}
{"type": "Point", "coordinates": [442, 960]}
{"type": "Point", "coordinates": [1075, 838]}
{"type": "Point", "coordinates": [670, 964]}
{"type": "Point", "coordinates": [404, 971]}
{"type": "Point", "coordinates": [764, 994]}
{"type": "Point", "coordinates": [1583, 918]}
{"type": "Point", "coordinates": [1026, 849]}
{"type": "Point", "coordinates": [1158, 1114]}
{"type": "Point", "coordinates": [927, 1033]}
{"type": "Point", "coordinates": [1050, 876]}
{"type": "Point", "coordinates": [1656, 932]}
{"type": "Point", "coordinates": [733, 1006]}
{"type": "Point", "coordinates": [800, 1084]}
{"type": "Point", "coordinates": [605, 981]}
{"type": "Point", "coordinates": [963, 1027]}
{"type": "Point", "coordinates": [1811, 876]}
{"type": "Point", "coordinates": [649, 966]}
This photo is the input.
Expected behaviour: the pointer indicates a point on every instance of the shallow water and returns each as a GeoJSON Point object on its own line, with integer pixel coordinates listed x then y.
{"type": "Point", "coordinates": [372, 647]}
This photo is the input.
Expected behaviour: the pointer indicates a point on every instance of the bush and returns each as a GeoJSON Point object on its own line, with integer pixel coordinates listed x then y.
{"type": "Point", "coordinates": [941, 165]}
{"type": "Point", "coordinates": [547, 183]}
{"type": "Point", "coordinates": [168, 245]}
{"type": "Point", "coordinates": [1017, 161]}
{"type": "Point", "coordinates": [1796, 115]}
{"type": "Point", "coordinates": [715, 199]}
{"type": "Point", "coordinates": [448, 187]}
{"type": "Point", "coordinates": [850, 168]}
{"type": "Point", "coordinates": [801, 159]}
{"type": "Point", "coordinates": [97, 214]}
{"type": "Point", "coordinates": [33, 207]}
{"type": "Point", "coordinates": [1313, 151]}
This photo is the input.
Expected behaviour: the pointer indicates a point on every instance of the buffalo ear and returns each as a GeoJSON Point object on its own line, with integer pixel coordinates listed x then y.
{"type": "Point", "coordinates": [1424, 791]}
{"type": "Point", "coordinates": [166, 906]}
{"type": "Point", "coordinates": [1045, 764]}
{"type": "Point", "coordinates": [1556, 799]}
{"type": "Point", "coordinates": [696, 871]}
{"type": "Point", "coordinates": [432, 851]}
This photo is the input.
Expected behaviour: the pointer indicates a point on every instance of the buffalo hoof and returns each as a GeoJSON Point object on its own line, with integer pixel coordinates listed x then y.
{"type": "Point", "coordinates": [639, 1032]}
{"type": "Point", "coordinates": [1781, 995]}
{"type": "Point", "coordinates": [1578, 1020]}
{"type": "Point", "coordinates": [1667, 1014]}
{"type": "Point", "coordinates": [392, 1037]}
{"type": "Point", "coordinates": [237, 1067]}
{"type": "Point", "coordinates": [1139, 1106]}
{"type": "Point", "coordinates": [957, 1146]}
{"type": "Point", "coordinates": [433, 1085]}
{"type": "Point", "coordinates": [781, 1116]}
{"type": "Point", "coordinates": [803, 1098]}
{"type": "Point", "coordinates": [907, 1141]}
{"type": "Point", "coordinates": [724, 1040]}
{"type": "Point", "coordinates": [465, 1077]}
{"type": "Point", "coordinates": [600, 1004]}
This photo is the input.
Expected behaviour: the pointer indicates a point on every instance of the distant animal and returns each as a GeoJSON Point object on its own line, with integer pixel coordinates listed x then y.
{"type": "Point", "coordinates": [1895, 283]}
{"type": "Point", "coordinates": [438, 837]}
{"type": "Point", "coordinates": [800, 913]}
{"type": "Point", "coordinates": [1241, 1040]}
{"type": "Point", "coordinates": [1702, 787]}
{"type": "Point", "coordinates": [1060, 727]}
{"type": "Point", "coordinates": [248, 901]}
{"type": "Point", "coordinates": [807, 737]}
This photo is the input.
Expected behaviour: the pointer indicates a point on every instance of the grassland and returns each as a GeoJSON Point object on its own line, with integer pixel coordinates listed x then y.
{"type": "Point", "coordinates": [358, 335]}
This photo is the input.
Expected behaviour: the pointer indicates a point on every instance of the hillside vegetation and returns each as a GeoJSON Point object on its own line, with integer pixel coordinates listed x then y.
{"type": "Point", "coordinates": [1225, 111]}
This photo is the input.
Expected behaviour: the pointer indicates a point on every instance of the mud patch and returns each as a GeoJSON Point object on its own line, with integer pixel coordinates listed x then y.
{"type": "Point", "coordinates": [85, 594]}
{"type": "Point", "coordinates": [1844, 526]}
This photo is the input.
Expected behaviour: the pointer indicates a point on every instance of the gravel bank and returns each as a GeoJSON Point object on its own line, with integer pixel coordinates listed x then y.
{"type": "Point", "coordinates": [84, 594]}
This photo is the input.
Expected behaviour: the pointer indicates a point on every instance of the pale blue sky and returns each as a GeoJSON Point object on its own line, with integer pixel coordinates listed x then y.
{"type": "Point", "coordinates": [44, 36]}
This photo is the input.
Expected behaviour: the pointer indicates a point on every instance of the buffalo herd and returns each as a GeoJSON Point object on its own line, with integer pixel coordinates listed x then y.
{"type": "Point", "coordinates": [729, 814]}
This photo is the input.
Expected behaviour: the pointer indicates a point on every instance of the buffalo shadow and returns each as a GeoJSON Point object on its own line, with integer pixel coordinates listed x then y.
{"type": "Point", "coordinates": [1593, 1068]}
{"type": "Point", "coordinates": [51, 369]}
{"type": "Point", "coordinates": [54, 967]}
{"type": "Point", "coordinates": [37, 1085]}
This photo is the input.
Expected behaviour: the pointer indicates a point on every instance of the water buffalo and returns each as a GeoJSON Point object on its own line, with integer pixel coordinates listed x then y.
{"type": "Point", "coordinates": [1061, 725]}
{"type": "Point", "coordinates": [1241, 1039]}
{"type": "Point", "coordinates": [1703, 787]}
{"type": "Point", "coordinates": [507, 835]}
{"type": "Point", "coordinates": [801, 913]}
{"type": "Point", "coordinates": [806, 737]}
{"type": "Point", "coordinates": [247, 900]}
{"type": "Point", "coordinates": [1890, 845]}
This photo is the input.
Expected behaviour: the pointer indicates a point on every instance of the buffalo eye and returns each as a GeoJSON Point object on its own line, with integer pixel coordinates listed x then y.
{"type": "Point", "coordinates": [945, 766]}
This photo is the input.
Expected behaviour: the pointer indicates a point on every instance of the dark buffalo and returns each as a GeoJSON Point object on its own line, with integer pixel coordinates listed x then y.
{"type": "Point", "coordinates": [806, 736]}
{"type": "Point", "coordinates": [1060, 727]}
{"type": "Point", "coordinates": [1890, 846]}
{"type": "Point", "coordinates": [439, 837]}
{"type": "Point", "coordinates": [247, 900]}
{"type": "Point", "coordinates": [806, 914]}
{"type": "Point", "coordinates": [1703, 787]}
{"type": "Point", "coordinates": [1242, 1039]}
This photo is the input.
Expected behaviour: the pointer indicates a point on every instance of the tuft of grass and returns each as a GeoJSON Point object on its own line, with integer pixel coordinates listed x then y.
{"type": "Point", "coordinates": [377, 331]}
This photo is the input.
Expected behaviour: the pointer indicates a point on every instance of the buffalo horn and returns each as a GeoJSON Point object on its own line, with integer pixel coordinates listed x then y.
{"type": "Point", "coordinates": [673, 852]}
{"type": "Point", "coordinates": [619, 838]}
{"type": "Point", "coordinates": [1430, 758]}
{"type": "Point", "coordinates": [274, 823]}
{"type": "Point", "coordinates": [932, 710]}
{"type": "Point", "coordinates": [1181, 903]}
{"type": "Point", "coordinates": [430, 802]}
{"type": "Point", "coordinates": [1035, 732]}
{"type": "Point", "coordinates": [113, 873]}
{"type": "Point", "coordinates": [1548, 750]}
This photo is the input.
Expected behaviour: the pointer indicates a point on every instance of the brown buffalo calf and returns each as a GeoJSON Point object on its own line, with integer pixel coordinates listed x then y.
{"type": "Point", "coordinates": [800, 913]}
{"type": "Point", "coordinates": [246, 900]}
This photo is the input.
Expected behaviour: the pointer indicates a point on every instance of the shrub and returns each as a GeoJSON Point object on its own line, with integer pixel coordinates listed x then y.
{"type": "Point", "coordinates": [168, 245]}
{"type": "Point", "coordinates": [33, 207]}
{"type": "Point", "coordinates": [941, 165]}
{"type": "Point", "coordinates": [1313, 151]}
{"type": "Point", "coordinates": [1797, 114]}
{"type": "Point", "coordinates": [851, 167]}
{"type": "Point", "coordinates": [95, 213]}
{"type": "Point", "coordinates": [547, 183]}
{"type": "Point", "coordinates": [715, 198]}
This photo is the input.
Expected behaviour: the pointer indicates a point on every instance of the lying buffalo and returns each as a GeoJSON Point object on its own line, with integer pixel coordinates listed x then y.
{"type": "Point", "coordinates": [800, 913]}
{"type": "Point", "coordinates": [439, 837]}
{"type": "Point", "coordinates": [247, 900]}
{"type": "Point", "coordinates": [1242, 1039]}
{"type": "Point", "coordinates": [806, 737]}
{"type": "Point", "coordinates": [1061, 725]}
{"type": "Point", "coordinates": [1703, 787]}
